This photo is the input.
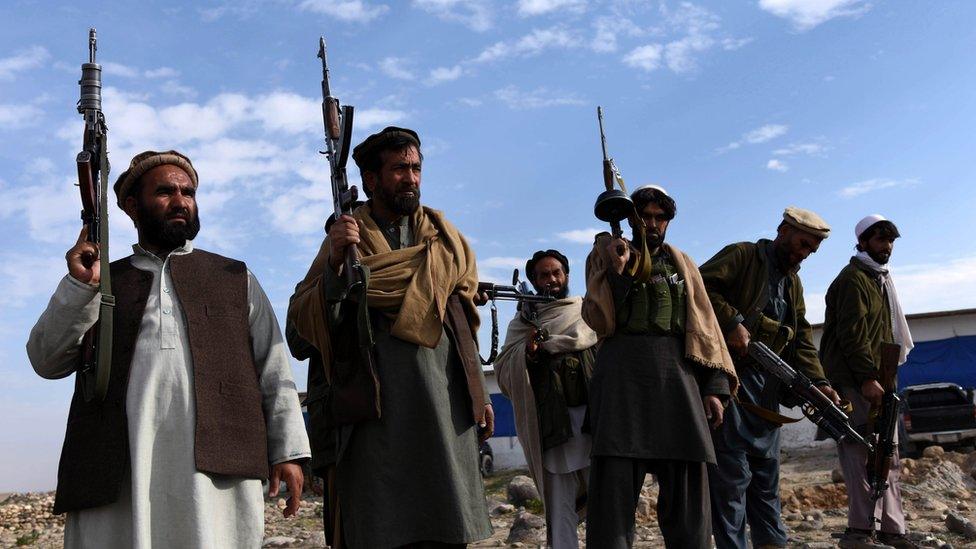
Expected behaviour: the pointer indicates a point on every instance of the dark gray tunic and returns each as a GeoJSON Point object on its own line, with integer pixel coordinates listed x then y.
{"type": "Point", "coordinates": [646, 400]}
{"type": "Point", "coordinates": [413, 474]}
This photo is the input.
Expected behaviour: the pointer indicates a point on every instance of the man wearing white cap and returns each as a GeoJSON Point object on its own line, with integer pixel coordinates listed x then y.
{"type": "Point", "coordinates": [863, 312]}
{"type": "Point", "coordinates": [757, 294]}
{"type": "Point", "coordinates": [200, 406]}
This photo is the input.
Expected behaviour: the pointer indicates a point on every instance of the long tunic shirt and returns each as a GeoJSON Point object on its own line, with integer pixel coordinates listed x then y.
{"type": "Point", "coordinates": [643, 387]}
{"type": "Point", "coordinates": [165, 501]}
{"type": "Point", "coordinates": [413, 474]}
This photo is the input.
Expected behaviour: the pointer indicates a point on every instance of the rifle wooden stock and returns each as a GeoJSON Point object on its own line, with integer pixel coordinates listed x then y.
{"type": "Point", "coordinates": [332, 119]}
{"type": "Point", "coordinates": [89, 197]}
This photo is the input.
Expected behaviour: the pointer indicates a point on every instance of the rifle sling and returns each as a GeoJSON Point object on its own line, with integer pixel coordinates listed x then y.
{"type": "Point", "coordinates": [107, 305]}
{"type": "Point", "coordinates": [768, 415]}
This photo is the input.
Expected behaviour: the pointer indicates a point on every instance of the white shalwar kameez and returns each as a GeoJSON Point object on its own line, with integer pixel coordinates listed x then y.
{"type": "Point", "coordinates": [165, 501]}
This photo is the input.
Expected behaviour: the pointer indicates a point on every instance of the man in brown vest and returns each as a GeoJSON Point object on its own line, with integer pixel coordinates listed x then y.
{"type": "Point", "coordinates": [200, 408]}
{"type": "Point", "coordinates": [402, 447]}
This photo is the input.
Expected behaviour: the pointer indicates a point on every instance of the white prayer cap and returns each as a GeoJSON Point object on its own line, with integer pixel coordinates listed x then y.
{"type": "Point", "coordinates": [866, 223]}
{"type": "Point", "coordinates": [655, 187]}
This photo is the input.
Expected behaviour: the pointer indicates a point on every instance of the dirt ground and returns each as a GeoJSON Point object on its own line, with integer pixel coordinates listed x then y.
{"type": "Point", "coordinates": [814, 506]}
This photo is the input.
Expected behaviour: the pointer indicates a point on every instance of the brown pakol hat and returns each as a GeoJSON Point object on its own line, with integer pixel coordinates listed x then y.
{"type": "Point", "coordinates": [145, 161]}
{"type": "Point", "coordinates": [806, 221]}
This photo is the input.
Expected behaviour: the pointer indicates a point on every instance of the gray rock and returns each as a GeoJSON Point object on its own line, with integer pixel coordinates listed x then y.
{"type": "Point", "coordinates": [279, 541]}
{"type": "Point", "coordinates": [817, 545]}
{"type": "Point", "coordinates": [316, 539]}
{"type": "Point", "coordinates": [961, 525]}
{"type": "Point", "coordinates": [837, 476]}
{"type": "Point", "coordinates": [496, 508]}
{"type": "Point", "coordinates": [521, 489]}
{"type": "Point", "coordinates": [527, 528]}
{"type": "Point", "coordinates": [809, 526]}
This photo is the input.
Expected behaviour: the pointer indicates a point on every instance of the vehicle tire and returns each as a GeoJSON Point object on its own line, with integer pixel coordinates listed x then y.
{"type": "Point", "coordinates": [487, 465]}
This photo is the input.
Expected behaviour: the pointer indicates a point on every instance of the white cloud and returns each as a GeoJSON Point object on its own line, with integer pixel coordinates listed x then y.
{"type": "Point", "coordinates": [13, 117]}
{"type": "Point", "coordinates": [444, 74]}
{"type": "Point", "coordinates": [535, 99]}
{"type": "Point", "coordinates": [173, 87]}
{"type": "Point", "coordinates": [29, 277]}
{"type": "Point", "coordinates": [870, 185]}
{"type": "Point", "coordinates": [528, 8]}
{"type": "Point", "coordinates": [580, 236]}
{"type": "Point", "coordinates": [30, 58]}
{"type": "Point", "coordinates": [607, 31]}
{"type": "Point", "coordinates": [367, 119]}
{"type": "Point", "coordinates": [356, 11]}
{"type": "Point", "coordinates": [470, 102]}
{"type": "Point", "coordinates": [396, 67]}
{"type": "Point", "coordinates": [647, 58]}
{"type": "Point", "coordinates": [533, 43]}
{"type": "Point", "coordinates": [809, 149]}
{"type": "Point", "coordinates": [765, 133]}
{"type": "Point", "coordinates": [756, 136]}
{"type": "Point", "coordinates": [111, 68]}
{"type": "Point", "coordinates": [777, 165]}
{"type": "Point", "coordinates": [680, 54]}
{"type": "Point", "coordinates": [732, 44]}
{"type": "Point", "coordinates": [474, 14]}
{"type": "Point", "coordinates": [807, 14]}
{"type": "Point", "coordinates": [946, 285]}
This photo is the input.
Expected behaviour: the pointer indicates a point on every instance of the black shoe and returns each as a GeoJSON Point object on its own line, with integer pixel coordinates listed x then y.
{"type": "Point", "coordinates": [898, 541]}
{"type": "Point", "coordinates": [855, 538]}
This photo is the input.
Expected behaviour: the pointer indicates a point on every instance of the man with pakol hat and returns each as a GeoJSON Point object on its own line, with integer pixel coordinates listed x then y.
{"type": "Point", "coordinates": [863, 313]}
{"type": "Point", "coordinates": [661, 380]}
{"type": "Point", "coordinates": [757, 295]}
{"type": "Point", "coordinates": [547, 378]}
{"type": "Point", "coordinates": [201, 405]}
{"type": "Point", "coordinates": [407, 474]}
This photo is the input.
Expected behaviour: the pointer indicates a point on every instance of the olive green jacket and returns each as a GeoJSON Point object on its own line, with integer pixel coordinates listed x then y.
{"type": "Point", "coordinates": [857, 322]}
{"type": "Point", "coordinates": [737, 281]}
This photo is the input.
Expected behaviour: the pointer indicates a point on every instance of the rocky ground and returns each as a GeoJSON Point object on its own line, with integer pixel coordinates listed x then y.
{"type": "Point", "coordinates": [939, 490]}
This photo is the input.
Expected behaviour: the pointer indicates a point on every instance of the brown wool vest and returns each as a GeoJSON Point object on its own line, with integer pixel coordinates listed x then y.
{"type": "Point", "coordinates": [230, 436]}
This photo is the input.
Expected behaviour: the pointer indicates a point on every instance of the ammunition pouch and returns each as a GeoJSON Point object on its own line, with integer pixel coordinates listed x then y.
{"type": "Point", "coordinates": [571, 379]}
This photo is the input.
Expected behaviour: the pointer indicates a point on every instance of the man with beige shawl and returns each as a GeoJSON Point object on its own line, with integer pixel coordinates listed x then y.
{"type": "Point", "coordinates": [662, 378]}
{"type": "Point", "coordinates": [546, 376]}
{"type": "Point", "coordinates": [405, 464]}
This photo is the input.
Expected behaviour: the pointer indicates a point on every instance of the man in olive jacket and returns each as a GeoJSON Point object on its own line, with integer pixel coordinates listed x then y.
{"type": "Point", "coordinates": [862, 313]}
{"type": "Point", "coordinates": [756, 294]}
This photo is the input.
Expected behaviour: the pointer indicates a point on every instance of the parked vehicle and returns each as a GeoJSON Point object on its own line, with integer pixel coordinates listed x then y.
{"type": "Point", "coordinates": [487, 458]}
{"type": "Point", "coordinates": [936, 413]}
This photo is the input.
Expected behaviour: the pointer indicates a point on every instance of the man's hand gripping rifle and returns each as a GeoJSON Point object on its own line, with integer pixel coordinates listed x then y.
{"type": "Point", "coordinates": [527, 301]}
{"type": "Point", "coordinates": [96, 346]}
{"type": "Point", "coordinates": [816, 406]}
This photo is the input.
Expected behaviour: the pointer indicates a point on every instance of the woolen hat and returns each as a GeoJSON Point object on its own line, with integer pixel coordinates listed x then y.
{"type": "Point", "coordinates": [806, 221]}
{"type": "Point", "coordinates": [145, 161]}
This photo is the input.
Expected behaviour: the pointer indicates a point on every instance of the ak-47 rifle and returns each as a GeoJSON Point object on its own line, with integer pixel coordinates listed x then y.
{"type": "Point", "coordinates": [816, 406]}
{"type": "Point", "coordinates": [527, 301]}
{"type": "Point", "coordinates": [614, 205]}
{"type": "Point", "coordinates": [352, 370]}
{"type": "Point", "coordinates": [93, 167]}
{"type": "Point", "coordinates": [885, 420]}
{"type": "Point", "coordinates": [338, 135]}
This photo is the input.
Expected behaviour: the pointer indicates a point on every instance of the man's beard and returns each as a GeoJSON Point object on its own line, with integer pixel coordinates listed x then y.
{"type": "Point", "coordinates": [562, 293]}
{"type": "Point", "coordinates": [400, 205]}
{"type": "Point", "coordinates": [155, 230]}
{"type": "Point", "coordinates": [654, 239]}
{"type": "Point", "coordinates": [881, 258]}
{"type": "Point", "coordinates": [783, 258]}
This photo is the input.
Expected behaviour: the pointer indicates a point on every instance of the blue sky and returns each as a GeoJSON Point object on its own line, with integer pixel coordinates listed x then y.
{"type": "Point", "coordinates": [740, 109]}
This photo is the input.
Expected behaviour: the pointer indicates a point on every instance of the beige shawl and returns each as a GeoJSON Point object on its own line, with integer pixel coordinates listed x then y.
{"type": "Point", "coordinates": [568, 333]}
{"type": "Point", "coordinates": [704, 341]}
{"type": "Point", "coordinates": [411, 285]}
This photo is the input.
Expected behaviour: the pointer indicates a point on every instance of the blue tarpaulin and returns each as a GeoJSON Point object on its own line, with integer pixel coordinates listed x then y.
{"type": "Point", "coordinates": [504, 415]}
{"type": "Point", "coordinates": [950, 360]}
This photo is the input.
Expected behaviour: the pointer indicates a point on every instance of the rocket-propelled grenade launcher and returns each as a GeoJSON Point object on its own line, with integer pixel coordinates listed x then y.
{"type": "Point", "coordinates": [93, 167]}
